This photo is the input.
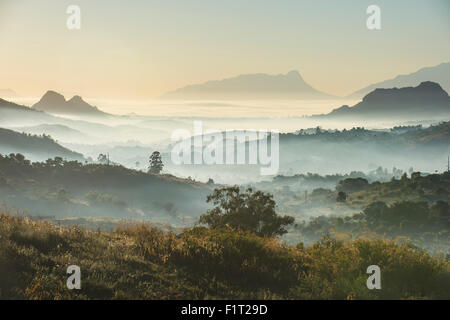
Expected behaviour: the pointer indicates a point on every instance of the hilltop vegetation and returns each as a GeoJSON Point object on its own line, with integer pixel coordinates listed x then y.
{"type": "Point", "coordinates": [415, 208]}
{"type": "Point", "coordinates": [327, 152]}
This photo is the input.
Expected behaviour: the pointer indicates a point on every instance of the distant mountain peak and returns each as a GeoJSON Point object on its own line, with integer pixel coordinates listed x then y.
{"type": "Point", "coordinates": [8, 93]}
{"type": "Point", "coordinates": [294, 74]}
{"type": "Point", "coordinates": [430, 86]}
{"type": "Point", "coordinates": [437, 74]}
{"type": "Point", "coordinates": [251, 86]}
{"type": "Point", "coordinates": [76, 98]}
{"type": "Point", "coordinates": [54, 102]}
{"type": "Point", "coordinates": [53, 96]}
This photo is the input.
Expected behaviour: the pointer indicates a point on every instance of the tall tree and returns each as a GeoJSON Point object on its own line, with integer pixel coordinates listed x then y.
{"type": "Point", "coordinates": [155, 164]}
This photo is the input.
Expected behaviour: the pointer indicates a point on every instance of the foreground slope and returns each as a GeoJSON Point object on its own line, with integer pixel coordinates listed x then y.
{"type": "Point", "coordinates": [141, 262]}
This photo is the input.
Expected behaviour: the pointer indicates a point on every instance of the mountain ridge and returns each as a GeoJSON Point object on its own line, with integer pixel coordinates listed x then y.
{"type": "Point", "coordinates": [56, 103]}
{"type": "Point", "coordinates": [250, 86]}
{"type": "Point", "coordinates": [439, 73]}
{"type": "Point", "coordinates": [426, 99]}
{"type": "Point", "coordinates": [33, 146]}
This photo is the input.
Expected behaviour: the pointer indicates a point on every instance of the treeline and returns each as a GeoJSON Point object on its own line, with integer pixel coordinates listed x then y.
{"type": "Point", "coordinates": [396, 134]}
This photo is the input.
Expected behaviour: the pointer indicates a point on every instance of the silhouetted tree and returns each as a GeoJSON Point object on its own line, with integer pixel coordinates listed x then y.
{"type": "Point", "coordinates": [102, 158]}
{"type": "Point", "coordinates": [156, 164]}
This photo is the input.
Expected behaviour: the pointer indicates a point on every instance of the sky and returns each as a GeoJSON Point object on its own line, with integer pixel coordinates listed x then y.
{"type": "Point", "coordinates": [139, 49]}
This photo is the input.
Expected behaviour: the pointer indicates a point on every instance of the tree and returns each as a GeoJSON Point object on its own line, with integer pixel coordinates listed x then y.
{"type": "Point", "coordinates": [103, 158]}
{"type": "Point", "coordinates": [252, 211]}
{"type": "Point", "coordinates": [156, 164]}
{"type": "Point", "coordinates": [341, 197]}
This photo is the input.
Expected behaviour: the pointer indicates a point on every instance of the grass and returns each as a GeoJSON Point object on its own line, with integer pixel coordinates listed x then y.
{"type": "Point", "coordinates": [140, 261]}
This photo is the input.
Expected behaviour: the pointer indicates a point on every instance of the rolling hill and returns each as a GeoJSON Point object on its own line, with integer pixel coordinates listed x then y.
{"type": "Point", "coordinates": [58, 131]}
{"type": "Point", "coordinates": [34, 147]}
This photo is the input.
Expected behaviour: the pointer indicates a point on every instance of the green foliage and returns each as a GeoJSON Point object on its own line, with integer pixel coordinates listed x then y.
{"type": "Point", "coordinates": [341, 197]}
{"type": "Point", "coordinates": [251, 211]}
{"type": "Point", "coordinates": [96, 198]}
{"type": "Point", "coordinates": [142, 262]}
{"type": "Point", "coordinates": [426, 226]}
{"type": "Point", "coordinates": [352, 184]}
{"type": "Point", "coordinates": [400, 213]}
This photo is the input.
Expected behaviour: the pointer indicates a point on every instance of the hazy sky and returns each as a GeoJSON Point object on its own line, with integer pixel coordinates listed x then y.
{"type": "Point", "coordinates": [138, 49]}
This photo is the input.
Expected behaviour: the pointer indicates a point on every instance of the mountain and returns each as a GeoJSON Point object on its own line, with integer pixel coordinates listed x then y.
{"type": "Point", "coordinates": [7, 105]}
{"type": "Point", "coordinates": [8, 93]}
{"type": "Point", "coordinates": [251, 86]}
{"type": "Point", "coordinates": [53, 102]}
{"type": "Point", "coordinates": [426, 100]}
{"type": "Point", "coordinates": [439, 74]}
{"type": "Point", "coordinates": [34, 147]}
{"type": "Point", "coordinates": [13, 114]}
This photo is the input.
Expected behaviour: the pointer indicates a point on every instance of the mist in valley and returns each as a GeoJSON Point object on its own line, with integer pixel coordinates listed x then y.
{"type": "Point", "coordinates": [315, 154]}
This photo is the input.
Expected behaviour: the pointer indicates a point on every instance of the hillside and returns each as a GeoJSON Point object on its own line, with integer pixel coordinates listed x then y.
{"type": "Point", "coordinates": [12, 114]}
{"type": "Point", "coordinates": [33, 146]}
{"type": "Point", "coordinates": [251, 86]}
{"type": "Point", "coordinates": [427, 100]}
{"type": "Point", "coordinates": [57, 131]}
{"type": "Point", "coordinates": [439, 74]}
{"type": "Point", "coordinates": [7, 105]}
{"type": "Point", "coordinates": [414, 208]}
{"type": "Point", "coordinates": [141, 262]}
{"type": "Point", "coordinates": [53, 102]}
{"type": "Point", "coordinates": [75, 189]}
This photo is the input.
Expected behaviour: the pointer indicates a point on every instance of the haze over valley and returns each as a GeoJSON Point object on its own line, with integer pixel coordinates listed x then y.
{"type": "Point", "coordinates": [226, 150]}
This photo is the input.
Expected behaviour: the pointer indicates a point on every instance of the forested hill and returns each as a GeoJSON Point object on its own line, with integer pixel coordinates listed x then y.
{"type": "Point", "coordinates": [33, 146]}
{"type": "Point", "coordinates": [72, 188]}
{"type": "Point", "coordinates": [406, 135]}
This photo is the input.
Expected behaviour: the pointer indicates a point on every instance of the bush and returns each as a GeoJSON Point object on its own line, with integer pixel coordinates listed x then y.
{"type": "Point", "coordinates": [141, 262]}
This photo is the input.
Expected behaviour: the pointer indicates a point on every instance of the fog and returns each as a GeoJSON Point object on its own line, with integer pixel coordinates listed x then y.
{"type": "Point", "coordinates": [138, 128]}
